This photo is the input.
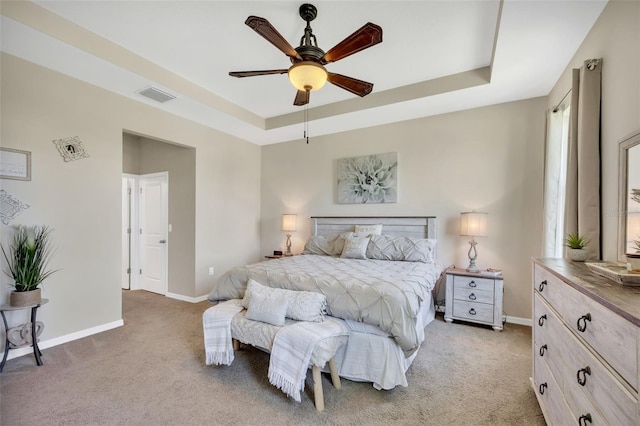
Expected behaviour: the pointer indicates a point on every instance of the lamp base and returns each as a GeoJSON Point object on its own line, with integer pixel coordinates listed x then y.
{"type": "Point", "coordinates": [473, 255]}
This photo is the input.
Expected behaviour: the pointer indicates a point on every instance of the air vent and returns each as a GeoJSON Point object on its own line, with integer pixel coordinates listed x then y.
{"type": "Point", "coordinates": [156, 94]}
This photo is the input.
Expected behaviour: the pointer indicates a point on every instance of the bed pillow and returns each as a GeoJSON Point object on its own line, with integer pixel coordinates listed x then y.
{"type": "Point", "coordinates": [331, 245]}
{"type": "Point", "coordinates": [366, 230]}
{"type": "Point", "coordinates": [355, 247]}
{"type": "Point", "coordinates": [271, 310]}
{"type": "Point", "coordinates": [301, 305]}
{"type": "Point", "coordinates": [386, 247]}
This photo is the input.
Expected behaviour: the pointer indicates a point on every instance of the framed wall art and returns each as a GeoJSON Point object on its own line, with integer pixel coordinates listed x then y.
{"type": "Point", "coordinates": [71, 149]}
{"type": "Point", "coordinates": [368, 179]}
{"type": "Point", "coordinates": [15, 164]}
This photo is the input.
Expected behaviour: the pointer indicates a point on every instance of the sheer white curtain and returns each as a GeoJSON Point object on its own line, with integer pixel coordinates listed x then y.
{"type": "Point", "coordinates": [572, 165]}
{"type": "Point", "coordinates": [555, 179]}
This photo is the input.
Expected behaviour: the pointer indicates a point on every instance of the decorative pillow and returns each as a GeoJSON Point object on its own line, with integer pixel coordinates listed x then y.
{"type": "Point", "coordinates": [326, 246]}
{"type": "Point", "coordinates": [271, 310]}
{"type": "Point", "coordinates": [366, 230]}
{"type": "Point", "coordinates": [301, 306]}
{"type": "Point", "coordinates": [355, 247]}
{"type": "Point", "coordinates": [386, 247]}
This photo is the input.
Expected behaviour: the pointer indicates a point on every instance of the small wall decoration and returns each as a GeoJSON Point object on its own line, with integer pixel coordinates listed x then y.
{"type": "Point", "coordinates": [10, 207]}
{"type": "Point", "coordinates": [71, 148]}
{"type": "Point", "coordinates": [368, 179]}
{"type": "Point", "coordinates": [15, 164]}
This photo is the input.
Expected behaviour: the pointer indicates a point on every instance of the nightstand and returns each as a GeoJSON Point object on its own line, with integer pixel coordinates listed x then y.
{"type": "Point", "coordinates": [474, 297]}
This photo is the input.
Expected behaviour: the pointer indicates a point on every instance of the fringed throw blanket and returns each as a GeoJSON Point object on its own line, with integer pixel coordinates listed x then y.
{"type": "Point", "coordinates": [292, 349]}
{"type": "Point", "coordinates": [216, 323]}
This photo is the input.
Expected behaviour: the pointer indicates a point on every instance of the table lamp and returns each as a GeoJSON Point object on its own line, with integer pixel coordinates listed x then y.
{"type": "Point", "coordinates": [473, 224]}
{"type": "Point", "coordinates": [289, 225]}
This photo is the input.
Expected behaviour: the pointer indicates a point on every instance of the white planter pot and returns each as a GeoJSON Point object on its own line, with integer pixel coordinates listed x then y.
{"type": "Point", "coordinates": [633, 263]}
{"type": "Point", "coordinates": [577, 255]}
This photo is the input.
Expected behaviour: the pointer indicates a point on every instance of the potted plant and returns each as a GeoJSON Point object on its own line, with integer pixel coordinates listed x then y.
{"type": "Point", "coordinates": [27, 261]}
{"type": "Point", "coordinates": [633, 259]}
{"type": "Point", "coordinates": [576, 244]}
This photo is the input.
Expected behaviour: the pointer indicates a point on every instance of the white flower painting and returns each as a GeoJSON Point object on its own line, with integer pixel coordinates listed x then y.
{"type": "Point", "coordinates": [368, 179]}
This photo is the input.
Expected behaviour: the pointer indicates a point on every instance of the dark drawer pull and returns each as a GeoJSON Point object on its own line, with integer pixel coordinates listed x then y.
{"type": "Point", "coordinates": [541, 286]}
{"type": "Point", "coordinates": [541, 388]}
{"type": "Point", "coordinates": [472, 296]}
{"type": "Point", "coordinates": [473, 284]}
{"type": "Point", "coordinates": [541, 320]}
{"type": "Point", "coordinates": [581, 375]}
{"type": "Point", "coordinates": [582, 322]}
{"type": "Point", "coordinates": [472, 311]}
{"type": "Point", "coordinates": [543, 348]}
{"type": "Point", "coordinates": [582, 421]}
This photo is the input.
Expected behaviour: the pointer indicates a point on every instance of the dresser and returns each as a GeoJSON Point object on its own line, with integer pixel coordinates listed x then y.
{"type": "Point", "coordinates": [585, 341]}
{"type": "Point", "coordinates": [474, 297]}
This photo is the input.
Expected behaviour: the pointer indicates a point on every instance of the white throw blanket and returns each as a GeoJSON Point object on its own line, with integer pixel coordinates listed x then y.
{"type": "Point", "coordinates": [216, 324]}
{"type": "Point", "coordinates": [292, 349]}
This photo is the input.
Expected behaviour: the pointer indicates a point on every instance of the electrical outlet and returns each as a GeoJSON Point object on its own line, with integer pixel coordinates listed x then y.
{"type": "Point", "coordinates": [211, 270]}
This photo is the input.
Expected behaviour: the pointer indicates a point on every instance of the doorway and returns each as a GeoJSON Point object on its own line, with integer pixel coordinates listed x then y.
{"type": "Point", "coordinates": [145, 232]}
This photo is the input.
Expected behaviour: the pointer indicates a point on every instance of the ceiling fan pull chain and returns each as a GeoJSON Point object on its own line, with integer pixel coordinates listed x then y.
{"type": "Point", "coordinates": [306, 123]}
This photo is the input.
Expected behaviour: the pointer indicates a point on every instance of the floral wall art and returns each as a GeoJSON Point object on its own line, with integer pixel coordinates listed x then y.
{"type": "Point", "coordinates": [368, 179]}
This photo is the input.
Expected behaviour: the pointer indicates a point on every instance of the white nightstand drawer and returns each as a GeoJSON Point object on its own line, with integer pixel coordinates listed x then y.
{"type": "Point", "coordinates": [460, 282]}
{"type": "Point", "coordinates": [473, 295]}
{"type": "Point", "coordinates": [473, 311]}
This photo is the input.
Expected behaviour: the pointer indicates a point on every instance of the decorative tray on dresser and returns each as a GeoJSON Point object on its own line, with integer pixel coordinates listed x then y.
{"type": "Point", "coordinates": [586, 340]}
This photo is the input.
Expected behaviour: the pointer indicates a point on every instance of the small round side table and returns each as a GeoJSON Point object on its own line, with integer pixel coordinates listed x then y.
{"type": "Point", "coordinates": [34, 338]}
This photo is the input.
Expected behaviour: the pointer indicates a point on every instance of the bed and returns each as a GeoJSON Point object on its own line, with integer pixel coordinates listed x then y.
{"type": "Point", "coordinates": [377, 274]}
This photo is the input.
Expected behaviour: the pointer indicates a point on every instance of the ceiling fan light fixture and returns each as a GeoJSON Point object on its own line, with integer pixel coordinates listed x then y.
{"type": "Point", "coordinates": [307, 75]}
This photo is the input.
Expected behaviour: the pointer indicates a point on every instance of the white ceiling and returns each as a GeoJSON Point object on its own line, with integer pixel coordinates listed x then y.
{"type": "Point", "coordinates": [436, 56]}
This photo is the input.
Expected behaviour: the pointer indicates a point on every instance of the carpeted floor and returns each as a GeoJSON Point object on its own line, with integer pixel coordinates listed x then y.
{"type": "Point", "coordinates": [151, 371]}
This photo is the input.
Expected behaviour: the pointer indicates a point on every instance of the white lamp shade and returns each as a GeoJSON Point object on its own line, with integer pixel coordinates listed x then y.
{"type": "Point", "coordinates": [289, 222]}
{"type": "Point", "coordinates": [473, 224]}
{"type": "Point", "coordinates": [307, 75]}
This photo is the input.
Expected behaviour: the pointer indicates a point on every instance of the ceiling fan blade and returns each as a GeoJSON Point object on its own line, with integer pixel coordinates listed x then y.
{"type": "Point", "coordinates": [367, 36]}
{"type": "Point", "coordinates": [302, 98]}
{"type": "Point", "coordinates": [266, 30]}
{"type": "Point", "coordinates": [353, 85]}
{"type": "Point", "coordinates": [241, 74]}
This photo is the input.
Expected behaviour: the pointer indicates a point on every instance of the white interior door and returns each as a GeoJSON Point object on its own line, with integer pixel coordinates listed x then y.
{"type": "Point", "coordinates": [154, 225]}
{"type": "Point", "coordinates": [126, 234]}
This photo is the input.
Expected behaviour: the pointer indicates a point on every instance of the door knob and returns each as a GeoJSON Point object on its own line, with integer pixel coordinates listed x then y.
{"type": "Point", "coordinates": [162, 241]}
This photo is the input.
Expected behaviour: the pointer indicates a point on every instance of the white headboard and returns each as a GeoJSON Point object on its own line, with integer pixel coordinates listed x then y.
{"type": "Point", "coordinates": [397, 226]}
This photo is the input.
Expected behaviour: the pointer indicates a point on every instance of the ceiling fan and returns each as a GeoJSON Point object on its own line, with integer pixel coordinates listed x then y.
{"type": "Point", "coordinates": [308, 72]}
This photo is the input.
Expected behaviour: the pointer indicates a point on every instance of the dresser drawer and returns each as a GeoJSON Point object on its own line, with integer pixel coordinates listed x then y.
{"type": "Point", "coordinates": [610, 335]}
{"type": "Point", "coordinates": [473, 311]}
{"type": "Point", "coordinates": [473, 295]}
{"type": "Point", "coordinates": [584, 374]}
{"type": "Point", "coordinates": [549, 395]}
{"type": "Point", "coordinates": [548, 340]}
{"type": "Point", "coordinates": [460, 282]}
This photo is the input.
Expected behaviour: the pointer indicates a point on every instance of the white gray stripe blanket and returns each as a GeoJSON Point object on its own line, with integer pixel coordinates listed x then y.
{"type": "Point", "coordinates": [292, 349]}
{"type": "Point", "coordinates": [216, 324]}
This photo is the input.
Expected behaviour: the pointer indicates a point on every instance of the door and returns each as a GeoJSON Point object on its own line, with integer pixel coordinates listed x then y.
{"type": "Point", "coordinates": [153, 232]}
{"type": "Point", "coordinates": [126, 233]}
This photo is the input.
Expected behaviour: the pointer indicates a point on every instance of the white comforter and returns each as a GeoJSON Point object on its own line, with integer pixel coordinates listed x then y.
{"type": "Point", "coordinates": [387, 294]}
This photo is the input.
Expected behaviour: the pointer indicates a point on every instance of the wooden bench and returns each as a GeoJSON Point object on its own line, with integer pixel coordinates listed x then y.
{"type": "Point", "coordinates": [241, 332]}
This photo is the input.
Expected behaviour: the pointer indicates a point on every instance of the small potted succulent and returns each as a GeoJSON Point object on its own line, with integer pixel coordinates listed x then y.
{"type": "Point", "coordinates": [633, 259]}
{"type": "Point", "coordinates": [576, 247]}
{"type": "Point", "coordinates": [27, 262]}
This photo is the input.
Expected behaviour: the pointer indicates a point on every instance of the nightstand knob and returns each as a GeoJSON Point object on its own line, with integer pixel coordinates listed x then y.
{"type": "Point", "coordinates": [473, 284]}
{"type": "Point", "coordinates": [472, 311]}
{"type": "Point", "coordinates": [541, 320]}
{"type": "Point", "coordinates": [472, 296]}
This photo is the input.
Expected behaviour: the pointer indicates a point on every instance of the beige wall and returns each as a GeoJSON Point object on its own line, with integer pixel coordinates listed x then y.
{"type": "Point", "coordinates": [488, 159]}
{"type": "Point", "coordinates": [615, 38]}
{"type": "Point", "coordinates": [142, 156]}
{"type": "Point", "coordinates": [81, 199]}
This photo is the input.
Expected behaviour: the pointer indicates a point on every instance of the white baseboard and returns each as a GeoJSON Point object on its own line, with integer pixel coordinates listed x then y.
{"type": "Point", "coordinates": [15, 353]}
{"type": "Point", "coordinates": [519, 321]}
{"type": "Point", "coordinates": [187, 298]}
